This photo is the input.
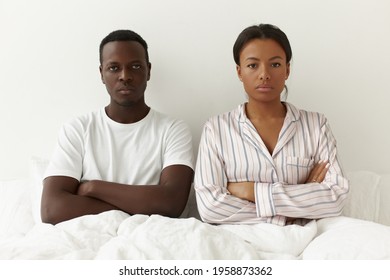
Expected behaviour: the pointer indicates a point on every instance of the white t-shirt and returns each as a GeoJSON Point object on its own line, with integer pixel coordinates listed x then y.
{"type": "Point", "coordinates": [94, 147]}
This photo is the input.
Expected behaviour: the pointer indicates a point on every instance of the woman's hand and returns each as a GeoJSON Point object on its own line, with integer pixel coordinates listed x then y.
{"type": "Point", "coordinates": [317, 174]}
{"type": "Point", "coordinates": [246, 190]}
{"type": "Point", "coordinates": [243, 190]}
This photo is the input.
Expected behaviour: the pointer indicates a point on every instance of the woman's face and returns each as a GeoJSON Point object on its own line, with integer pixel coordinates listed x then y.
{"type": "Point", "coordinates": [263, 70]}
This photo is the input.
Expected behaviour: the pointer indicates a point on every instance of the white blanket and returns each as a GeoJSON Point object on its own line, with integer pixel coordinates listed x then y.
{"type": "Point", "coordinates": [116, 235]}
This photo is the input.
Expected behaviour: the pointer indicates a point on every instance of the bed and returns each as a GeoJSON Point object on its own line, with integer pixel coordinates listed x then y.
{"type": "Point", "coordinates": [362, 232]}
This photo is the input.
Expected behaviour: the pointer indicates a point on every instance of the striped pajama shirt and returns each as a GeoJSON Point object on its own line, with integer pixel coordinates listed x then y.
{"type": "Point", "coordinates": [231, 150]}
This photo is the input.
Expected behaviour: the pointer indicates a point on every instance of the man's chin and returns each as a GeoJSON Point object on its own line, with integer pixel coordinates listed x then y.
{"type": "Point", "coordinates": [128, 103]}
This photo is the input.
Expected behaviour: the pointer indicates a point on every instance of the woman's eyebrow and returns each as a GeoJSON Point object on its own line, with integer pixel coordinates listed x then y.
{"type": "Point", "coordinates": [276, 57]}
{"type": "Point", "coordinates": [272, 58]}
{"type": "Point", "coordinates": [252, 58]}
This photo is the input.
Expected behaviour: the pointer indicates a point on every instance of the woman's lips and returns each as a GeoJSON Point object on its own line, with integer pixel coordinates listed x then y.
{"type": "Point", "coordinates": [264, 88]}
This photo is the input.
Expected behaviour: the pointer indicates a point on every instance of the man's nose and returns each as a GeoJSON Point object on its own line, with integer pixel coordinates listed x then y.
{"type": "Point", "coordinates": [125, 75]}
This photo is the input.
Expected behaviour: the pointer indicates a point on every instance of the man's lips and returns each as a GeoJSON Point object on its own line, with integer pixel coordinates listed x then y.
{"type": "Point", "coordinates": [126, 90]}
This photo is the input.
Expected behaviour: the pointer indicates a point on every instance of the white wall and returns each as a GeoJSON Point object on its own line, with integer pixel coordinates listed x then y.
{"type": "Point", "coordinates": [49, 66]}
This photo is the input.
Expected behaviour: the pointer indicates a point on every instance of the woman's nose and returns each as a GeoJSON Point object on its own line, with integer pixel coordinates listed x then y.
{"type": "Point", "coordinates": [264, 74]}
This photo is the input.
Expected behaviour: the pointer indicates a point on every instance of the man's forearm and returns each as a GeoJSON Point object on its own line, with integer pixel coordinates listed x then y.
{"type": "Point", "coordinates": [133, 199]}
{"type": "Point", "coordinates": [65, 206]}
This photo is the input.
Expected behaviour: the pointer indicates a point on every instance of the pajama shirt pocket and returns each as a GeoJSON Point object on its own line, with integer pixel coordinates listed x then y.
{"type": "Point", "coordinates": [298, 169]}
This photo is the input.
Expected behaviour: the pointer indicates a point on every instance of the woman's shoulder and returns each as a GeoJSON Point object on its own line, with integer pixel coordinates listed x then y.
{"type": "Point", "coordinates": [227, 116]}
{"type": "Point", "coordinates": [298, 114]}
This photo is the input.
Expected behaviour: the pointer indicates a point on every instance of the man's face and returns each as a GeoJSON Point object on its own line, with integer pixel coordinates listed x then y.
{"type": "Point", "coordinates": [125, 72]}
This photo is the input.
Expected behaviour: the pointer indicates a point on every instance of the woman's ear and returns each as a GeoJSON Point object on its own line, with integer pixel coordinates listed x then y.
{"type": "Point", "coordinates": [238, 68]}
{"type": "Point", "coordinates": [288, 70]}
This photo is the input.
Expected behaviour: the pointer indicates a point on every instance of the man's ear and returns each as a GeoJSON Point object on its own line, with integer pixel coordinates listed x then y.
{"type": "Point", "coordinates": [149, 70]}
{"type": "Point", "coordinates": [238, 68]}
{"type": "Point", "coordinates": [101, 73]}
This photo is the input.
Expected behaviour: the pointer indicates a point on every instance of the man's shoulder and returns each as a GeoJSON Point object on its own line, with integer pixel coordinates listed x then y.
{"type": "Point", "coordinates": [82, 121]}
{"type": "Point", "coordinates": [91, 115]}
{"type": "Point", "coordinates": [160, 116]}
{"type": "Point", "coordinates": [164, 119]}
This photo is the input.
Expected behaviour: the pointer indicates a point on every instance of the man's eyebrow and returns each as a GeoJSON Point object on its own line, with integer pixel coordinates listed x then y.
{"type": "Point", "coordinates": [116, 62]}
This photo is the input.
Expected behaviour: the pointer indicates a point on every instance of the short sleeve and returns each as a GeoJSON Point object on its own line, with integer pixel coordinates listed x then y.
{"type": "Point", "coordinates": [178, 148]}
{"type": "Point", "coordinates": [67, 156]}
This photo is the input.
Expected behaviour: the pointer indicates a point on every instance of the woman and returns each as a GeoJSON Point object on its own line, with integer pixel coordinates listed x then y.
{"type": "Point", "coordinates": [267, 161]}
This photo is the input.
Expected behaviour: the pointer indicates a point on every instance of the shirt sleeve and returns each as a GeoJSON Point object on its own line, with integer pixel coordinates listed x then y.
{"type": "Point", "coordinates": [67, 156]}
{"type": "Point", "coordinates": [215, 204]}
{"type": "Point", "coordinates": [178, 147]}
{"type": "Point", "coordinates": [311, 200]}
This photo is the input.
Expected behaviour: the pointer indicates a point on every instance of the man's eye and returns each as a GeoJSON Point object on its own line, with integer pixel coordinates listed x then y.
{"type": "Point", "coordinates": [113, 68]}
{"type": "Point", "coordinates": [276, 64]}
{"type": "Point", "coordinates": [136, 66]}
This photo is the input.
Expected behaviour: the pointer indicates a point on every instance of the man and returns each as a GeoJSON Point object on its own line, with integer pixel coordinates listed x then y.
{"type": "Point", "coordinates": [125, 156]}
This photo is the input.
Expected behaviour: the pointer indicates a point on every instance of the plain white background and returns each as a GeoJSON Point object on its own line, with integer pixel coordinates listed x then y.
{"type": "Point", "coordinates": [49, 66]}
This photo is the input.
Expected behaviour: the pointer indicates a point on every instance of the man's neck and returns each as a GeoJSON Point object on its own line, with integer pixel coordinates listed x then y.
{"type": "Point", "coordinates": [127, 114]}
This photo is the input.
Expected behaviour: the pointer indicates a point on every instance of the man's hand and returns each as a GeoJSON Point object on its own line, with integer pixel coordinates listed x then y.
{"type": "Point", "coordinates": [63, 198]}
{"type": "Point", "coordinates": [85, 188]}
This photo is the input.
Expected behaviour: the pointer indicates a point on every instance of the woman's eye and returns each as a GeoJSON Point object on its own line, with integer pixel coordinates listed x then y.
{"type": "Point", "coordinates": [276, 64]}
{"type": "Point", "coordinates": [252, 66]}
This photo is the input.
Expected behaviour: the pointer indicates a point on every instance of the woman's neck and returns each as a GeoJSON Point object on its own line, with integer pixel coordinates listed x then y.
{"type": "Point", "coordinates": [264, 111]}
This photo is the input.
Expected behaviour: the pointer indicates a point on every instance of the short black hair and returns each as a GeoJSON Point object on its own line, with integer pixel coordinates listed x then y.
{"type": "Point", "coordinates": [123, 35]}
{"type": "Point", "coordinates": [261, 31]}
